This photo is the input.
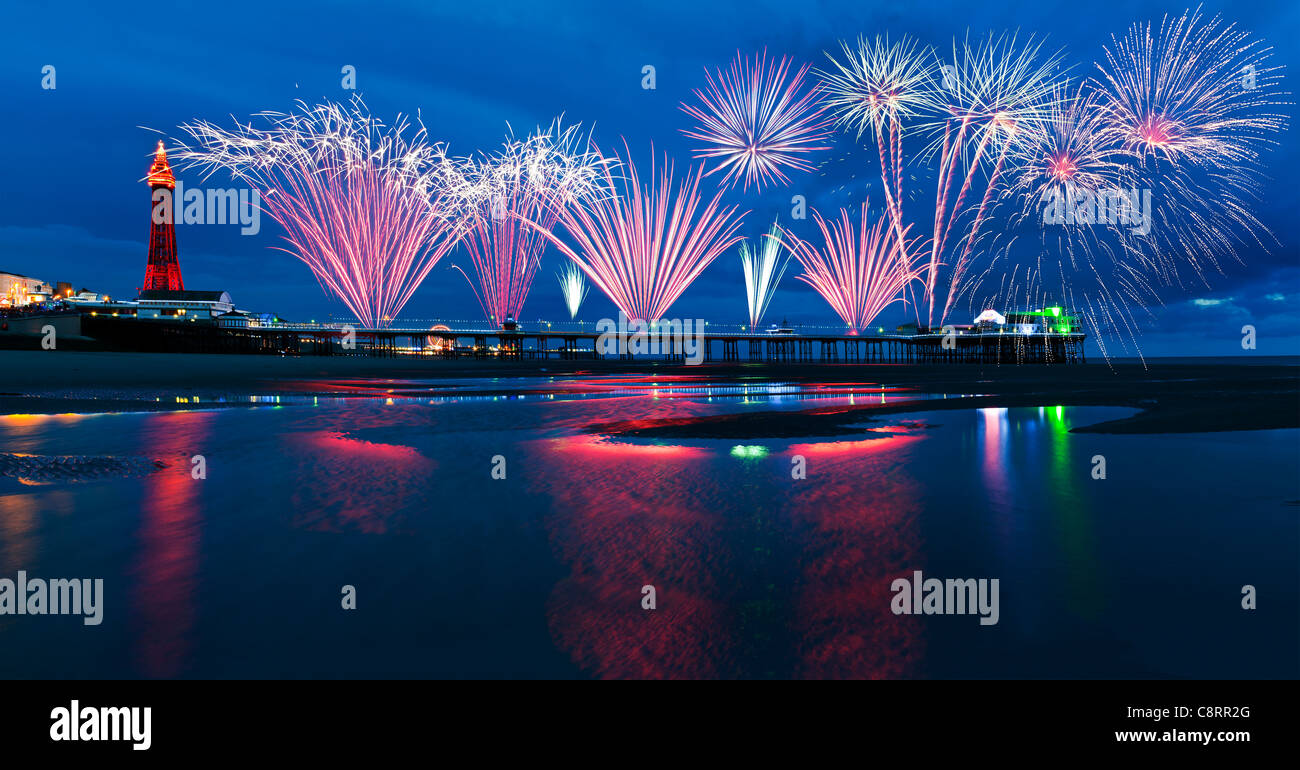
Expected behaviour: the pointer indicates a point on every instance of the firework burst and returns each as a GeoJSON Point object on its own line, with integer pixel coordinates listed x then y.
{"type": "Point", "coordinates": [757, 119]}
{"type": "Point", "coordinates": [1193, 103]}
{"type": "Point", "coordinates": [876, 84]}
{"type": "Point", "coordinates": [368, 208]}
{"type": "Point", "coordinates": [873, 88]}
{"type": "Point", "coordinates": [763, 271]}
{"type": "Point", "coordinates": [992, 96]}
{"type": "Point", "coordinates": [529, 181]}
{"type": "Point", "coordinates": [644, 244]}
{"type": "Point", "coordinates": [858, 275]}
{"type": "Point", "coordinates": [1062, 182]}
{"type": "Point", "coordinates": [1194, 90]}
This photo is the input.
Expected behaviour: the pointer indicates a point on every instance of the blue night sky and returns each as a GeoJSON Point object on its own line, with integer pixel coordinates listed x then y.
{"type": "Point", "coordinates": [76, 209]}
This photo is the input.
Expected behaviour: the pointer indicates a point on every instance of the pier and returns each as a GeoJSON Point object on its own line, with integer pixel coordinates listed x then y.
{"type": "Point", "coordinates": [334, 340]}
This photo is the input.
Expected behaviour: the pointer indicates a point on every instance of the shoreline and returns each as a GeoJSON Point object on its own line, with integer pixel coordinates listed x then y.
{"type": "Point", "coordinates": [1174, 397]}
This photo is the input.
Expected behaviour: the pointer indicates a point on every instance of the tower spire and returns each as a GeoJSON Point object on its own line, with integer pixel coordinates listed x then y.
{"type": "Point", "coordinates": [160, 173]}
{"type": "Point", "coordinates": [163, 271]}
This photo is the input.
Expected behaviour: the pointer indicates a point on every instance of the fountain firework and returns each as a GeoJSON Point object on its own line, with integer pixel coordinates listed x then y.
{"type": "Point", "coordinates": [530, 180]}
{"type": "Point", "coordinates": [573, 285]}
{"type": "Point", "coordinates": [858, 276]}
{"type": "Point", "coordinates": [644, 244]}
{"type": "Point", "coordinates": [367, 208]}
{"type": "Point", "coordinates": [758, 119]}
{"type": "Point", "coordinates": [763, 270]}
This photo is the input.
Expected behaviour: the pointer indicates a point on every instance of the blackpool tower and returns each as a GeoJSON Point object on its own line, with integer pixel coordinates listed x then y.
{"type": "Point", "coordinates": [163, 271]}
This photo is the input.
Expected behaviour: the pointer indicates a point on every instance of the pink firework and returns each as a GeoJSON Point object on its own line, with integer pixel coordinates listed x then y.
{"type": "Point", "coordinates": [644, 244]}
{"type": "Point", "coordinates": [757, 119]}
{"type": "Point", "coordinates": [529, 181]}
{"type": "Point", "coordinates": [367, 209]}
{"type": "Point", "coordinates": [858, 275]}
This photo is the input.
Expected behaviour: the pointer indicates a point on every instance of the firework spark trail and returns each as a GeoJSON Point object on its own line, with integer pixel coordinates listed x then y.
{"type": "Point", "coordinates": [530, 180]}
{"type": "Point", "coordinates": [757, 119]}
{"type": "Point", "coordinates": [1060, 183]}
{"type": "Point", "coordinates": [859, 277]}
{"type": "Point", "coordinates": [1181, 115]}
{"type": "Point", "coordinates": [573, 285]}
{"type": "Point", "coordinates": [997, 93]}
{"type": "Point", "coordinates": [1194, 103]}
{"type": "Point", "coordinates": [367, 209]}
{"type": "Point", "coordinates": [644, 244]}
{"type": "Point", "coordinates": [876, 86]}
{"type": "Point", "coordinates": [763, 271]}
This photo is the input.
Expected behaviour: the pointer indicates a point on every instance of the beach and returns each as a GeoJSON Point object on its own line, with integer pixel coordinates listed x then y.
{"type": "Point", "coordinates": [1179, 396]}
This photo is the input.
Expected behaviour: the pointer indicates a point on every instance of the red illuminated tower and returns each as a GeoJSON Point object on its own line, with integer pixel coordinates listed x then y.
{"type": "Point", "coordinates": [163, 271]}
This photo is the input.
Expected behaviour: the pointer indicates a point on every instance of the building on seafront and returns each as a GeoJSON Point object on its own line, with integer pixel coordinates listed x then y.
{"type": "Point", "coordinates": [168, 305]}
{"type": "Point", "coordinates": [17, 290]}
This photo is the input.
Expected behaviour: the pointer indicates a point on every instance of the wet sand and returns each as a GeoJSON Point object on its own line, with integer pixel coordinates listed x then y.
{"type": "Point", "coordinates": [1175, 397]}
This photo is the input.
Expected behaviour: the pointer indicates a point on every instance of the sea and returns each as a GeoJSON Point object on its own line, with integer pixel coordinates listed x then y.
{"type": "Point", "coordinates": [512, 528]}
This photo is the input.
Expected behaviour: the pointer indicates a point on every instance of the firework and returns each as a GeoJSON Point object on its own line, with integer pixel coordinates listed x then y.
{"type": "Point", "coordinates": [644, 244]}
{"type": "Point", "coordinates": [1067, 182]}
{"type": "Point", "coordinates": [573, 285]}
{"type": "Point", "coordinates": [1193, 103]}
{"type": "Point", "coordinates": [991, 96]}
{"type": "Point", "coordinates": [876, 86]}
{"type": "Point", "coordinates": [1196, 90]}
{"type": "Point", "coordinates": [763, 270]}
{"type": "Point", "coordinates": [757, 119]}
{"type": "Point", "coordinates": [1144, 173]}
{"type": "Point", "coordinates": [530, 180]}
{"type": "Point", "coordinates": [367, 208]}
{"type": "Point", "coordinates": [858, 276]}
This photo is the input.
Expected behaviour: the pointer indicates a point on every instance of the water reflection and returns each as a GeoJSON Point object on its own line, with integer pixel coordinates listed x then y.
{"type": "Point", "coordinates": [735, 549]}
{"type": "Point", "coordinates": [343, 483]}
{"type": "Point", "coordinates": [758, 574]}
{"type": "Point", "coordinates": [1070, 513]}
{"type": "Point", "coordinates": [627, 516]}
{"type": "Point", "coordinates": [857, 529]}
{"type": "Point", "coordinates": [170, 522]}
